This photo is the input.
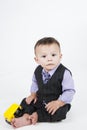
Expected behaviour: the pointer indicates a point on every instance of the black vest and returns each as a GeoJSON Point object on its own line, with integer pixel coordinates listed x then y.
{"type": "Point", "coordinates": [53, 88]}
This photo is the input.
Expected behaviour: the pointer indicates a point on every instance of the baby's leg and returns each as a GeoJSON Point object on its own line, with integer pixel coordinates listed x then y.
{"type": "Point", "coordinates": [21, 121]}
{"type": "Point", "coordinates": [60, 114]}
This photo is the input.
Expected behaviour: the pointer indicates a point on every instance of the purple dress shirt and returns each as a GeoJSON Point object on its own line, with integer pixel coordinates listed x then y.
{"type": "Point", "coordinates": [67, 85]}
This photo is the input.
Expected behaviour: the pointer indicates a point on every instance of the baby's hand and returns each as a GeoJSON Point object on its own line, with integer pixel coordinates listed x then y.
{"type": "Point", "coordinates": [30, 98]}
{"type": "Point", "coordinates": [53, 106]}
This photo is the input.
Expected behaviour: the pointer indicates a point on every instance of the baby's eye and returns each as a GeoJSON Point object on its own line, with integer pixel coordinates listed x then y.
{"type": "Point", "coordinates": [53, 54]}
{"type": "Point", "coordinates": [44, 56]}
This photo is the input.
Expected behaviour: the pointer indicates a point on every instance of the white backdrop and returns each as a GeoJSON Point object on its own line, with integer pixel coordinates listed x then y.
{"type": "Point", "coordinates": [22, 23]}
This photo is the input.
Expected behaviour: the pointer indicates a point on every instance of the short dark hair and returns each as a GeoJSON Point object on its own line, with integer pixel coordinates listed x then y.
{"type": "Point", "coordinates": [46, 41]}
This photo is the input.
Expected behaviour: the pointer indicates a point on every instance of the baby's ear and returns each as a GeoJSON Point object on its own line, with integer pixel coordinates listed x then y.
{"type": "Point", "coordinates": [36, 59]}
{"type": "Point", "coordinates": [60, 55]}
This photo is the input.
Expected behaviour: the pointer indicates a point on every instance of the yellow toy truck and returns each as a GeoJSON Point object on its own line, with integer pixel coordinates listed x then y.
{"type": "Point", "coordinates": [14, 110]}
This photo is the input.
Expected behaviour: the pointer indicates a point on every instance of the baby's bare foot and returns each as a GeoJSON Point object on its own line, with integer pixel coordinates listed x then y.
{"type": "Point", "coordinates": [34, 118]}
{"type": "Point", "coordinates": [21, 121]}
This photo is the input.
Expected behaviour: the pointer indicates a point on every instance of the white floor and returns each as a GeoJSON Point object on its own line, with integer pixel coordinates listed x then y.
{"type": "Point", "coordinates": [76, 118]}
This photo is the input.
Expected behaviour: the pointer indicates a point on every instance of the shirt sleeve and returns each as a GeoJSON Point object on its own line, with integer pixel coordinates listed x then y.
{"type": "Point", "coordinates": [68, 89]}
{"type": "Point", "coordinates": [34, 86]}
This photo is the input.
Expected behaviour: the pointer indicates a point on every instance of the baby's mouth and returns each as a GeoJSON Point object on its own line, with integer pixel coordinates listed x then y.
{"type": "Point", "coordinates": [49, 64]}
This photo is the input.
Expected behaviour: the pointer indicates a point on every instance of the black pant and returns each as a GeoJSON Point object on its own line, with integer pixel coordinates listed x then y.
{"type": "Point", "coordinates": [43, 115]}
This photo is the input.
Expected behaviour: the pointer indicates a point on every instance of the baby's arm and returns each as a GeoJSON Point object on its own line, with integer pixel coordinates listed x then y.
{"type": "Point", "coordinates": [30, 98]}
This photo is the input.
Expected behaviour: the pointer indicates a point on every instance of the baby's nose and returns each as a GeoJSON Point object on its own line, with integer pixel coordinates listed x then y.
{"type": "Point", "coordinates": [49, 58]}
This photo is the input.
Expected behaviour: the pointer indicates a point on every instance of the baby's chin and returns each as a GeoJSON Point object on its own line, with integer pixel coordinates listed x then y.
{"type": "Point", "coordinates": [50, 67]}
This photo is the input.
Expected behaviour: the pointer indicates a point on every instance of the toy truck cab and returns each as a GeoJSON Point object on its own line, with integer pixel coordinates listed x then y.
{"type": "Point", "coordinates": [13, 111]}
